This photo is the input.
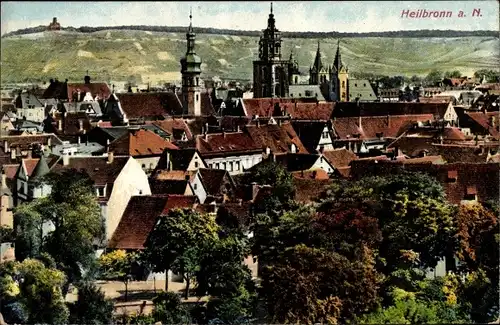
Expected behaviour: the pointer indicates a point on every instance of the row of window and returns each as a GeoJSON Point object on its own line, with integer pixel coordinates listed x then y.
{"type": "Point", "coordinates": [229, 166]}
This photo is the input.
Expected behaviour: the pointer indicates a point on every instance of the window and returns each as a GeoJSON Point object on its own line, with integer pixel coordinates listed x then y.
{"type": "Point", "coordinates": [364, 85]}
{"type": "Point", "coordinates": [143, 166]}
{"type": "Point", "coordinates": [210, 166]}
{"type": "Point", "coordinates": [355, 85]}
{"type": "Point", "coordinates": [291, 95]}
{"type": "Point", "coordinates": [195, 164]}
{"type": "Point", "coordinates": [343, 84]}
{"type": "Point", "coordinates": [300, 95]}
{"type": "Point", "coordinates": [223, 165]}
{"type": "Point", "coordinates": [101, 191]}
{"type": "Point", "coordinates": [308, 93]}
{"type": "Point", "coordinates": [231, 164]}
{"type": "Point", "coordinates": [197, 81]}
{"type": "Point", "coordinates": [195, 186]}
{"type": "Point", "coordinates": [237, 165]}
{"type": "Point", "coordinates": [217, 166]}
{"type": "Point", "coordinates": [325, 135]}
{"type": "Point", "coordinates": [296, 79]}
{"type": "Point", "coordinates": [197, 97]}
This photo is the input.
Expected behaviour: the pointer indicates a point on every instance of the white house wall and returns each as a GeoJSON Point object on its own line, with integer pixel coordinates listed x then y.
{"type": "Point", "coordinates": [198, 188]}
{"type": "Point", "coordinates": [326, 143]}
{"type": "Point", "coordinates": [132, 180]}
{"type": "Point", "coordinates": [245, 162]}
{"type": "Point", "coordinates": [36, 114]}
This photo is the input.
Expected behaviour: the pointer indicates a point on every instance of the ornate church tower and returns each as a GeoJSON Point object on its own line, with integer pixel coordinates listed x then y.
{"type": "Point", "coordinates": [191, 70]}
{"type": "Point", "coordinates": [294, 72]}
{"type": "Point", "coordinates": [270, 73]}
{"type": "Point", "coordinates": [340, 77]}
{"type": "Point", "coordinates": [318, 74]}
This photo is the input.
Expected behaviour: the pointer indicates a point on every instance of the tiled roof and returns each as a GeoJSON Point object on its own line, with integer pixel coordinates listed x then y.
{"type": "Point", "coordinates": [312, 111]}
{"type": "Point", "coordinates": [485, 121]}
{"type": "Point", "coordinates": [162, 174]}
{"type": "Point", "coordinates": [25, 141]}
{"type": "Point", "coordinates": [242, 212]}
{"type": "Point", "coordinates": [297, 108]}
{"type": "Point", "coordinates": [171, 125]}
{"type": "Point", "coordinates": [307, 190]}
{"type": "Point", "coordinates": [100, 89]}
{"type": "Point", "coordinates": [318, 174]}
{"type": "Point", "coordinates": [459, 153]}
{"type": "Point", "coordinates": [179, 159]}
{"type": "Point", "coordinates": [339, 158]}
{"type": "Point", "coordinates": [352, 109]}
{"type": "Point", "coordinates": [150, 105]}
{"type": "Point", "coordinates": [140, 143]}
{"type": "Point", "coordinates": [70, 123]}
{"type": "Point", "coordinates": [141, 215]}
{"type": "Point", "coordinates": [278, 138]}
{"type": "Point", "coordinates": [225, 143]}
{"type": "Point", "coordinates": [309, 133]}
{"type": "Point", "coordinates": [214, 180]}
{"type": "Point", "coordinates": [98, 168]}
{"type": "Point", "coordinates": [297, 162]}
{"type": "Point", "coordinates": [168, 186]}
{"type": "Point", "coordinates": [437, 99]}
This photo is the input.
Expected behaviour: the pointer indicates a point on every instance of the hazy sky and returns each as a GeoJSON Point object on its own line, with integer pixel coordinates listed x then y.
{"type": "Point", "coordinates": [320, 16]}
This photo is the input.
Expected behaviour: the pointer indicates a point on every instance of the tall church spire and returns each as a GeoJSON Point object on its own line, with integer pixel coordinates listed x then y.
{"type": "Point", "coordinates": [337, 63]}
{"type": "Point", "coordinates": [317, 61]}
{"type": "Point", "coordinates": [270, 21]}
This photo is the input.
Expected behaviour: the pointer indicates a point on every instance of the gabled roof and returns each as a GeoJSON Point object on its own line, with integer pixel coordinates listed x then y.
{"type": "Point", "coordinates": [307, 190]}
{"type": "Point", "coordinates": [70, 123]}
{"type": "Point", "coordinates": [150, 105]}
{"type": "Point", "coordinates": [296, 162]}
{"type": "Point", "coordinates": [339, 158]}
{"type": "Point", "coordinates": [172, 125]}
{"type": "Point", "coordinates": [309, 133]}
{"type": "Point", "coordinates": [278, 138]}
{"type": "Point", "coordinates": [213, 180]}
{"type": "Point", "coordinates": [141, 215]}
{"type": "Point", "coordinates": [168, 186]}
{"type": "Point", "coordinates": [266, 107]}
{"type": "Point", "coordinates": [353, 109]}
{"type": "Point", "coordinates": [226, 143]}
{"type": "Point", "coordinates": [485, 121]}
{"type": "Point", "coordinates": [100, 89]}
{"type": "Point", "coordinates": [26, 99]}
{"type": "Point", "coordinates": [25, 141]}
{"type": "Point", "coordinates": [140, 142]}
{"type": "Point", "coordinates": [179, 159]}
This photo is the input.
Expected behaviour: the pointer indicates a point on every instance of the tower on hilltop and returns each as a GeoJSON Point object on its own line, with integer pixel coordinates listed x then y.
{"type": "Point", "coordinates": [191, 70]}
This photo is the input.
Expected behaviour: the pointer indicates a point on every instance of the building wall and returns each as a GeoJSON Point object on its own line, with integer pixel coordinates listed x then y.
{"type": "Point", "coordinates": [36, 114]}
{"type": "Point", "coordinates": [244, 161]}
{"type": "Point", "coordinates": [323, 164]}
{"type": "Point", "coordinates": [6, 216]}
{"type": "Point", "coordinates": [198, 188]}
{"type": "Point", "coordinates": [327, 142]}
{"type": "Point", "coordinates": [196, 162]}
{"type": "Point", "coordinates": [131, 181]}
{"type": "Point", "coordinates": [148, 164]}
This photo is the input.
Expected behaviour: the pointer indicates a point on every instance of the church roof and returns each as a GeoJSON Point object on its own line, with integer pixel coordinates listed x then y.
{"type": "Point", "coordinates": [318, 65]}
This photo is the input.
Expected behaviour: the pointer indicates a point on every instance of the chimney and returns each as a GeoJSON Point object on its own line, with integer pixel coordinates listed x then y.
{"type": "Point", "coordinates": [80, 123]}
{"type": "Point", "coordinates": [206, 128]}
{"type": "Point", "coordinates": [111, 157]}
{"type": "Point", "coordinates": [65, 158]}
{"type": "Point", "coordinates": [255, 189]}
{"type": "Point", "coordinates": [12, 154]}
{"type": "Point", "coordinates": [79, 140]}
{"type": "Point", "coordinates": [257, 122]}
{"type": "Point", "coordinates": [49, 142]}
{"type": "Point", "coordinates": [30, 153]}
{"type": "Point", "coordinates": [388, 121]}
{"type": "Point", "coordinates": [6, 146]}
{"type": "Point", "coordinates": [223, 134]}
{"type": "Point", "coordinates": [279, 122]}
{"type": "Point", "coordinates": [107, 145]}
{"type": "Point", "coordinates": [359, 122]}
{"type": "Point", "coordinates": [238, 128]}
{"type": "Point", "coordinates": [59, 125]}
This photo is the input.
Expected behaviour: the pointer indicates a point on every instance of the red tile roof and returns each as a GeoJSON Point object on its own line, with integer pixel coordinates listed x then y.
{"type": "Point", "coordinates": [226, 143]}
{"type": "Point", "coordinates": [278, 138]}
{"type": "Point", "coordinates": [140, 143]}
{"type": "Point", "coordinates": [100, 89]}
{"type": "Point", "coordinates": [150, 105]}
{"type": "Point", "coordinates": [318, 174]}
{"type": "Point", "coordinates": [352, 109]}
{"type": "Point", "coordinates": [70, 123]}
{"type": "Point", "coordinates": [339, 158]}
{"type": "Point", "coordinates": [25, 141]}
{"type": "Point", "coordinates": [489, 121]}
{"type": "Point", "coordinates": [297, 108]}
{"type": "Point", "coordinates": [307, 190]}
{"type": "Point", "coordinates": [141, 215]}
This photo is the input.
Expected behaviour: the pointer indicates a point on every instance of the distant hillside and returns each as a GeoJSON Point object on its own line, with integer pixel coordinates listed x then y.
{"type": "Point", "coordinates": [121, 55]}
{"type": "Point", "coordinates": [217, 31]}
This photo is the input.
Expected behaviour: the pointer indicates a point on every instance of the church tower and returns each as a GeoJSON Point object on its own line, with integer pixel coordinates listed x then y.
{"type": "Point", "coordinates": [294, 72]}
{"type": "Point", "coordinates": [318, 74]}
{"type": "Point", "coordinates": [340, 77]}
{"type": "Point", "coordinates": [191, 70]}
{"type": "Point", "coordinates": [270, 72]}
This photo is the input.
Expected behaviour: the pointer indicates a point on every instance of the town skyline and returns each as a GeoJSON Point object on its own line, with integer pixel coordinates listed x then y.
{"type": "Point", "coordinates": [293, 16]}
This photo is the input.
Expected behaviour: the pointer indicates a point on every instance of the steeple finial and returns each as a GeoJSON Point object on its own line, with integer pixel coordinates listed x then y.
{"type": "Point", "coordinates": [271, 8]}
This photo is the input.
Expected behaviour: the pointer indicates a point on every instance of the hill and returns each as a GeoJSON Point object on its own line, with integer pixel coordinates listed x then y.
{"type": "Point", "coordinates": [120, 55]}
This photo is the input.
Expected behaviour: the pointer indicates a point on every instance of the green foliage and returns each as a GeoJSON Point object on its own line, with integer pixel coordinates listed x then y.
{"type": "Point", "coordinates": [491, 75]}
{"type": "Point", "coordinates": [91, 307]}
{"type": "Point", "coordinates": [6, 234]}
{"type": "Point", "coordinates": [169, 309]}
{"type": "Point", "coordinates": [73, 211]}
{"type": "Point", "coordinates": [36, 289]}
{"type": "Point", "coordinates": [452, 74]}
{"type": "Point", "coordinates": [434, 77]}
{"type": "Point", "coordinates": [175, 241]}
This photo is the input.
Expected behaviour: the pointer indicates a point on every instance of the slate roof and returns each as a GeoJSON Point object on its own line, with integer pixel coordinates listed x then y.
{"type": "Point", "coordinates": [87, 107]}
{"type": "Point", "coordinates": [150, 105]}
{"type": "Point", "coordinates": [41, 169]}
{"type": "Point", "coordinates": [296, 162]}
{"type": "Point", "coordinates": [299, 91]}
{"type": "Point", "coordinates": [353, 109]}
{"type": "Point", "coordinates": [141, 215]}
{"type": "Point", "coordinates": [362, 89]}
{"type": "Point", "coordinates": [309, 133]}
{"type": "Point", "coordinates": [25, 141]}
{"type": "Point", "coordinates": [278, 138]}
{"type": "Point", "coordinates": [213, 180]}
{"type": "Point", "coordinates": [70, 123]}
{"type": "Point", "coordinates": [27, 98]}
{"type": "Point", "coordinates": [172, 126]}
{"type": "Point", "coordinates": [339, 158]}
{"type": "Point", "coordinates": [179, 159]}
{"type": "Point", "coordinates": [137, 143]}
{"type": "Point", "coordinates": [240, 211]}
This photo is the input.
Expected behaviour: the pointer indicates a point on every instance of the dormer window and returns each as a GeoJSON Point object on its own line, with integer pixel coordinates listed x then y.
{"type": "Point", "coordinates": [101, 191]}
{"type": "Point", "coordinates": [471, 193]}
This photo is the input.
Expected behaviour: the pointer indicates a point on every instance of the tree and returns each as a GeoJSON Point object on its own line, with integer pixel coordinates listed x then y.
{"type": "Point", "coordinates": [118, 265]}
{"type": "Point", "coordinates": [452, 74]}
{"type": "Point", "coordinates": [490, 75]}
{"type": "Point", "coordinates": [306, 280]}
{"type": "Point", "coordinates": [175, 240]}
{"type": "Point", "coordinates": [71, 209]}
{"type": "Point", "coordinates": [33, 292]}
{"type": "Point", "coordinates": [6, 234]}
{"type": "Point", "coordinates": [168, 309]}
{"type": "Point", "coordinates": [223, 276]}
{"type": "Point", "coordinates": [434, 77]}
{"type": "Point", "coordinates": [91, 307]}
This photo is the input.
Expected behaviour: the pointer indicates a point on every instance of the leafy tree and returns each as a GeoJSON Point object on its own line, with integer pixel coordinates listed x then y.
{"type": "Point", "coordinates": [91, 307]}
{"type": "Point", "coordinates": [223, 276]}
{"type": "Point", "coordinates": [33, 292]}
{"type": "Point", "coordinates": [169, 309]}
{"type": "Point", "coordinates": [72, 210]}
{"type": "Point", "coordinates": [453, 74]}
{"type": "Point", "coordinates": [490, 75]}
{"type": "Point", "coordinates": [175, 241]}
{"type": "Point", "coordinates": [434, 77]}
{"type": "Point", "coordinates": [118, 265]}
{"type": "Point", "coordinates": [6, 234]}
{"type": "Point", "coordinates": [306, 282]}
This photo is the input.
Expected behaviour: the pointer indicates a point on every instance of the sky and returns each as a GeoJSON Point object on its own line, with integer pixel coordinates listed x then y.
{"type": "Point", "coordinates": [316, 16]}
